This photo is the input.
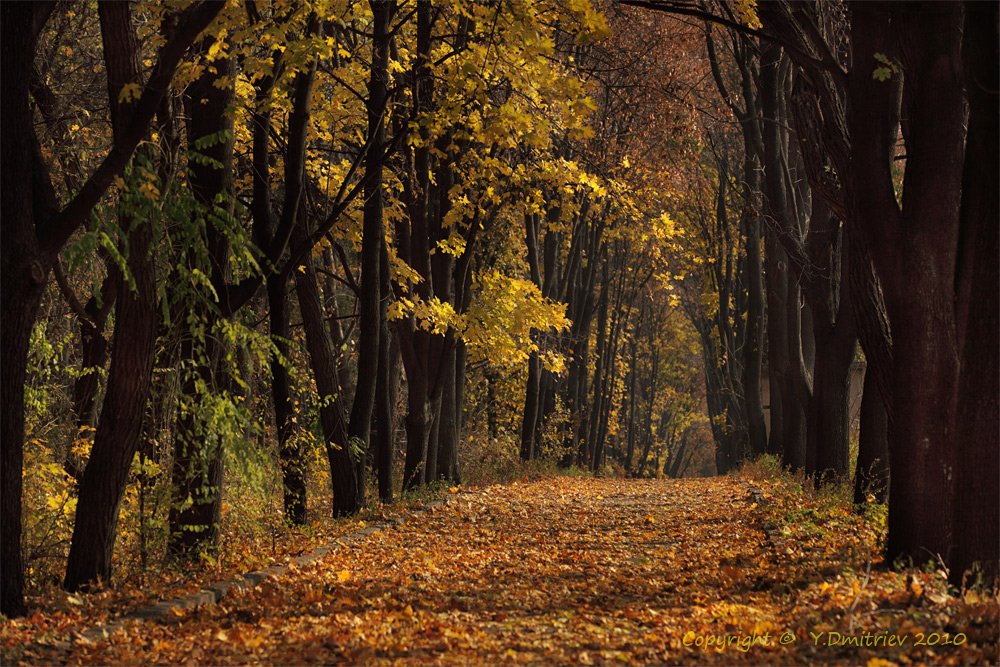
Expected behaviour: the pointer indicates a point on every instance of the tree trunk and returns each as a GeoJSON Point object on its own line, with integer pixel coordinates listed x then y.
{"type": "Point", "coordinates": [754, 403]}
{"type": "Point", "coordinates": [461, 360]}
{"type": "Point", "coordinates": [385, 390]}
{"type": "Point", "coordinates": [197, 468]}
{"type": "Point", "coordinates": [871, 474]}
{"type": "Point", "coordinates": [371, 306]}
{"type": "Point", "coordinates": [977, 502]}
{"type": "Point", "coordinates": [130, 374]}
{"type": "Point", "coordinates": [834, 334]}
{"type": "Point", "coordinates": [793, 398]}
{"type": "Point", "coordinates": [290, 455]}
{"type": "Point", "coordinates": [418, 420]}
{"type": "Point", "coordinates": [415, 343]}
{"type": "Point", "coordinates": [447, 431]}
{"type": "Point", "coordinates": [530, 415]}
{"type": "Point", "coordinates": [293, 464]}
{"type": "Point", "coordinates": [24, 272]}
{"type": "Point", "coordinates": [914, 251]}
{"type": "Point", "coordinates": [776, 280]}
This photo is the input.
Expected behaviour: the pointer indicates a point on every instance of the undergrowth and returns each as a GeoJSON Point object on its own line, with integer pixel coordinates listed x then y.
{"type": "Point", "coordinates": [833, 551]}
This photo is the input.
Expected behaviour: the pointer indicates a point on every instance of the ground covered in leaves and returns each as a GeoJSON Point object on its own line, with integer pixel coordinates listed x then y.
{"type": "Point", "coordinates": [583, 571]}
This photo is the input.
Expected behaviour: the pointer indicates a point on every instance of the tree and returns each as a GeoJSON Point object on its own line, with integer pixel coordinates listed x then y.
{"type": "Point", "coordinates": [35, 230]}
{"type": "Point", "coordinates": [130, 376]}
{"type": "Point", "coordinates": [914, 241]}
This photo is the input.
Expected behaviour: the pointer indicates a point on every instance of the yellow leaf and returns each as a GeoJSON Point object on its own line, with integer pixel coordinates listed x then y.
{"type": "Point", "coordinates": [344, 575]}
{"type": "Point", "coordinates": [879, 662]}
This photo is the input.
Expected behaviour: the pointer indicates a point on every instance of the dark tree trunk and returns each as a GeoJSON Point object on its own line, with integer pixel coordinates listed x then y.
{"type": "Point", "coordinates": [834, 333]}
{"type": "Point", "coordinates": [530, 414]}
{"type": "Point", "coordinates": [529, 420]}
{"type": "Point", "coordinates": [788, 363]}
{"type": "Point", "coordinates": [293, 464]}
{"type": "Point", "coordinates": [914, 251]}
{"type": "Point", "coordinates": [794, 399]}
{"type": "Point", "coordinates": [776, 280]}
{"type": "Point", "coordinates": [632, 397]}
{"type": "Point", "coordinates": [94, 355]}
{"type": "Point", "coordinates": [431, 465]}
{"type": "Point", "coordinates": [371, 306]}
{"type": "Point", "coordinates": [461, 360]}
{"type": "Point", "coordinates": [129, 377]}
{"type": "Point", "coordinates": [332, 411]}
{"type": "Point", "coordinates": [24, 271]}
{"type": "Point", "coordinates": [447, 431]}
{"type": "Point", "coordinates": [597, 386]}
{"type": "Point", "coordinates": [197, 467]}
{"type": "Point", "coordinates": [977, 501]}
{"type": "Point", "coordinates": [871, 474]}
{"type": "Point", "coordinates": [830, 409]}
{"type": "Point", "coordinates": [753, 355]}
{"type": "Point", "coordinates": [418, 422]}
{"type": "Point", "coordinates": [290, 454]}
{"type": "Point", "coordinates": [385, 390]}
{"type": "Point", "coordinates": [416, 343]}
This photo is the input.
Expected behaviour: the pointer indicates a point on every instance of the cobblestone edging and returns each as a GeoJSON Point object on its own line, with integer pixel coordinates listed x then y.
{"type": "Point", "coordinates": [219, 591]}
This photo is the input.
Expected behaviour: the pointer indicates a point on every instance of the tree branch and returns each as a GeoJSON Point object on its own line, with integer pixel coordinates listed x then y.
{"type": "Point", "coordinates": [54, 232]}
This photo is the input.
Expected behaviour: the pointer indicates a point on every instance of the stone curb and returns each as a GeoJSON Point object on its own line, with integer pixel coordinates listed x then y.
{"type": "Point", "coordinates": [215, 593]}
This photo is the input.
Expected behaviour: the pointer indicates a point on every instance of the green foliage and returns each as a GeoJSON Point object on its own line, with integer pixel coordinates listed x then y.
{"type": "Point", "coordinates": [886, 70]}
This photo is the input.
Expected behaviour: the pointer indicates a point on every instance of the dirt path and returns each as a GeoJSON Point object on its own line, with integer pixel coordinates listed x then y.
{"type": "Point", "coordinates": [566, 571]}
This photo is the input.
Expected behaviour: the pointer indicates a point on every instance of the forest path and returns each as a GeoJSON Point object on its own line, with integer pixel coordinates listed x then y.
{"type": "Point", "coordinates": [563, 571]}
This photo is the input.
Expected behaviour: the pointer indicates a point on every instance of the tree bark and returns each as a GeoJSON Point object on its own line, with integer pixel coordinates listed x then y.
{"type": "Point", "coordinates": [290, 454]}
{"type": "Point", "coordinates": [371, 306]}
{"type": "Point", "coordinates": [834, 333]}
{"type": "Point", "coordinates": [197, 468]}
{"type": "Point", "coordinates": [385, 389]}
{"type": "Point", "coordinates": [977, 502]}
{"type": "Point", "coordinates": [24, 270]}
{"type": "Point", "coordinates": [871, 474]}
{"type": "Point", "coordinates": [130, 374]}
{"type": "Point", "coordinates": [914, 250]}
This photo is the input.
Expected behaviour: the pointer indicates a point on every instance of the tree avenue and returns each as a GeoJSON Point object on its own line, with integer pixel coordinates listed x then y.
{"type": "Point", "coordinates": [264, 262]}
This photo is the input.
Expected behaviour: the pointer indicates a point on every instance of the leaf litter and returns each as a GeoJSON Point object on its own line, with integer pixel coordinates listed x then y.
{"type": "Point", "coordinates": [585, 571]}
